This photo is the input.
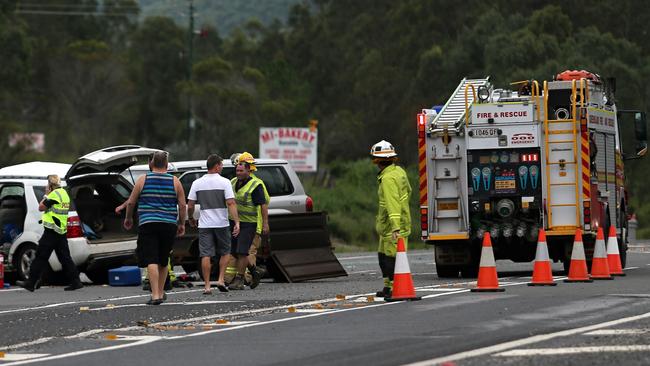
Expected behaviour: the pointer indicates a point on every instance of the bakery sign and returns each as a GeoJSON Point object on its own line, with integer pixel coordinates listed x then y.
{"type": "Point", "coordinates": [297, 145]}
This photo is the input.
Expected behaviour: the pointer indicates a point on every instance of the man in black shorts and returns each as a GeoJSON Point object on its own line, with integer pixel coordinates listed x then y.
{"type": "Point", "coordinates": [216, 199]}
{"type": "Point", "coordinates": [249, 195]}
{"type": "Point", "coordinates": [161, 217]}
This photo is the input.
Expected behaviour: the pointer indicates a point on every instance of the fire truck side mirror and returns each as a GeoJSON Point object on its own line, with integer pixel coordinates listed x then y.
{"type": "Point", "coordinates": [640, 132]}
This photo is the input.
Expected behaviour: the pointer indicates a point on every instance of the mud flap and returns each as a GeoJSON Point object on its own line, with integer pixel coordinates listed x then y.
{"type": "Point", "coordinates": [300, 248]}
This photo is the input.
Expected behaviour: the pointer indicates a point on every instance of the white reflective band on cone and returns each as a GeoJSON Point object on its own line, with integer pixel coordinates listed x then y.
{"type": "Point", "coordinates": [542, 252]}
{"type": "Point", "coordinates": [599, 250]}
{"type": "Point", "coordinates": [487, 257]}
{"type": "Point", "coordinates": [401, 264]}
{"type": "Point", "coordinates": [612, 245]}
{"type": "Point", "coordinates": [578, 251]}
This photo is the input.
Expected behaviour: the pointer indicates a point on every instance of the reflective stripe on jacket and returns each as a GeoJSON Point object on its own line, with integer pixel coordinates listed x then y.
{"type": "Point", "coordinates": [59, 211]}
{"type": "Point", "coordinates": [246, 210]}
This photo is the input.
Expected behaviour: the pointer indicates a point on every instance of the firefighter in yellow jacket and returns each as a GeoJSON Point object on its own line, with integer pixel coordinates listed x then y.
{"type": "Point", "coordinates": [393, 217]}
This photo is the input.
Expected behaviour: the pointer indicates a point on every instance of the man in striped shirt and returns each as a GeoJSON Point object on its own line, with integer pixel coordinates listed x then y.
{"type": "Point", "coordinates": [161, 217]}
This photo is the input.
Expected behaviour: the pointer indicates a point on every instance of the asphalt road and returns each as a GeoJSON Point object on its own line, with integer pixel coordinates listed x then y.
{"type": "Point", "coordinates": [334, 322]}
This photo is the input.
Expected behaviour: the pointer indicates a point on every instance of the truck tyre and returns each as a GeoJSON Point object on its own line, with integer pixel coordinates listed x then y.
{"type": "Point", "coordinates": [447, 271]}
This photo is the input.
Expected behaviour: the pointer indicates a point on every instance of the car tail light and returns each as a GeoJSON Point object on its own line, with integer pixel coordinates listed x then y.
{"type": "Point", "coordinates": [309, 204]}
{"type": "Point", "coordinates": [74, 227]}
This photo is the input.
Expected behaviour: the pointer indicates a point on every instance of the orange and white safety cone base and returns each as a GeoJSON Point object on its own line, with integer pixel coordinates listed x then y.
{"type": "Point", "coordinates": [488, 281]}
{"type": "Point", "coordinates": [599, 265]}
{"type": "Point", "coordinates": [613, 256]}
{"type": "Point", "coordinates": [403, 288]}
{"type": "Point", "coordinates": [578, 267]}
{"type": "Point", "coordinates": [542, 272]}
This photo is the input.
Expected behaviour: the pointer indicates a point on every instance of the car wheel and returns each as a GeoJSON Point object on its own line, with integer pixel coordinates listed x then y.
{"type": "Point", "coordinates": [23, 260]}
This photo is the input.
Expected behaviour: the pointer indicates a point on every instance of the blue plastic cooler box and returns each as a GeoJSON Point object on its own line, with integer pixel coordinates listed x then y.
{"type": "Point", "coordinates": [125, 276]}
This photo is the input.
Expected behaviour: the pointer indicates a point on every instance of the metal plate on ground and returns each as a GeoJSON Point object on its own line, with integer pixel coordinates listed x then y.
{"type": "Point", "coordinates": [300, 248]}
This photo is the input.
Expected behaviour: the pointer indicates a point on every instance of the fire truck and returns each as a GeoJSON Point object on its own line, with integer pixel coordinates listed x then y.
{"type": "Point", "coordinates": [511, 161]}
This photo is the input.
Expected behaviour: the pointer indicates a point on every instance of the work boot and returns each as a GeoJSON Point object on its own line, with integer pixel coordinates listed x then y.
{"type": "Point", "coordinates": [74, 286]}
{"type": "Point", "coordinates": [237, 283]}
{"type": "Point", "coordinates": [257, 276]}
{"type": "Point", "coordinates": [385, 292]}
{"type": "Point", "coordinates": [27, 285]}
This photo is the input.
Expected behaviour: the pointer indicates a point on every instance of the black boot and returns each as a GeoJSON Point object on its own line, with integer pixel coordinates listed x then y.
{"type": "Point", "coordinates": [385, 292]}
{"type": "Point", "coordinates": [256, 277]}
{"type": "Point", "coordinates": [27, 285]}
{"type": "Point", "coordinates": [75, 285]}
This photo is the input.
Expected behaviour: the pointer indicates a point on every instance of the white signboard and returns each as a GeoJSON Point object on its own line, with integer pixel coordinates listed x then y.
{"type": "Point", "coordinates": [501, 113]}
{"type": "Point", "coordinates": [298, 146]}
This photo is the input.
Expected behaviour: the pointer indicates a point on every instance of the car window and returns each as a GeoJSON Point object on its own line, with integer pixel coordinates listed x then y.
{"type": "Point", "coordinates": [122, 190]}
{"type": "Point", "coordinates": [274, 177]}
{"type": "Point", "coordinates": [187, 179]}
{"type": "Point", "coordinates": [39, 192]}
{"type": "Point", "coordinates": [12, 190]}
{"type": "Point", "coordinates": [276, 180]}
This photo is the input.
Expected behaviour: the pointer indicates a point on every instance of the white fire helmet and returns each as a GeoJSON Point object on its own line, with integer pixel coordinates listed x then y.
{"type": "Point", "coordinates": [383, 149]}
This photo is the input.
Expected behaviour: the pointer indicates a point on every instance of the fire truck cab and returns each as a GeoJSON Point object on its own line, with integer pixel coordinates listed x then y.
{"type": "Point", "coordinates": [509, 162]}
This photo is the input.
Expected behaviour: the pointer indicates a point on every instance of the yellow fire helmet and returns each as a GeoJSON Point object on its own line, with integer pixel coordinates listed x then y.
{"type": "Point", "coordinates": [244, 157]}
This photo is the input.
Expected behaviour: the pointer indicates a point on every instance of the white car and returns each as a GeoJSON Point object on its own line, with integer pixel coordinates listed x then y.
{"type": "Point", "coordinates": [96, 237]}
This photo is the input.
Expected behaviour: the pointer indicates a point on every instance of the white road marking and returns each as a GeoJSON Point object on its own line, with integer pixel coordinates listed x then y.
{"type": "Point", "coordinates": [21, 356]}
{"type": "Point", "coordinates": [626, 268]}
{"type": "Point", "coordinates": [312, 310]}
{"type": "Point", "coordinates": [227, 324]}
{"type": "Point", "coordinates": [184, 303]}
{"type": "Point", "coordinates": [606, 332]}
{"type": "Point", "coordinates": [149, 339]}
{"type": "Point", "coordinates": [59, 304]}
{"type": "Point", "coordinates": [26, 344]}
{"type": "Point", "coordinates": [526, 341]}
{"type": "Point", "coordinates": [440, 289]}
{"type": "Point", "coordinates": [359, 257]}
{"type": "Point", "coordinates": [371, 271]}
{"type": "Point", "coordinates": [12, 289]}
{"type": "Point", "coordinates": [572, 350]}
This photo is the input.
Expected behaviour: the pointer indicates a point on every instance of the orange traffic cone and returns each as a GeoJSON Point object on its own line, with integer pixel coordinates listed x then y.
{"type": "Point", "coordinates": [578, 267]}
{"type": "Point", "coordinates": [402, 281]}
{"type": "Point", "coordinates": [542, 272]}
{"type": "Point", "coordinates": [599, 265]}
{"type": "Point", "coordinates": [487, 272]}
{"type": "Point", "coordinates": [613, 257]}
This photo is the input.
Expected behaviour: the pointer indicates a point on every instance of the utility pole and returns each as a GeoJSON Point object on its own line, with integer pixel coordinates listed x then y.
{"type": "Point", "coordinates": [190, 58]}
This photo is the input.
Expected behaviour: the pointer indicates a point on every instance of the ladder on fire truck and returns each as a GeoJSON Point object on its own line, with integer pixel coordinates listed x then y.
{"type": "Point", "coordinates": [561, 150]}
{"type": "Point", "coordinates": [449, 164]}
{"type": "Point", "coordinates": [453, 113]}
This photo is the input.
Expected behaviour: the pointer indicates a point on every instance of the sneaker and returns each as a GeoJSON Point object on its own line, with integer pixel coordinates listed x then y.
{"type": "Point", "coordinates": [27, 285]}
{"type": "Point", "coordinates": [74, 286]}
{"type": "Point", "coordinates": [255, 281]}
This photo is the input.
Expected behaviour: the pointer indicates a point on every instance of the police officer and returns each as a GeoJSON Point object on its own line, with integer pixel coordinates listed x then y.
{"type": "Point", "coordinates": [393, 217]}
{"type": "Point", "coordinates": [55, 206]}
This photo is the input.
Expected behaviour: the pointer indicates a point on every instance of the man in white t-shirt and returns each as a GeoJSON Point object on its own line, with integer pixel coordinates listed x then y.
{"type": "Point", "coordinates": [215, 196]}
